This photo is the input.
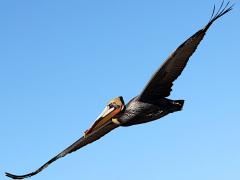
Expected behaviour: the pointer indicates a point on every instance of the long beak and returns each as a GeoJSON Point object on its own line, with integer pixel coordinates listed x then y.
{"type": "Point", "coordinates": [103, 118]}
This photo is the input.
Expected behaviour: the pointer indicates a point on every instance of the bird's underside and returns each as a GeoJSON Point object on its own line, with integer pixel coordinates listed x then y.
{"type": "Point", "coordinates": [151, 100]}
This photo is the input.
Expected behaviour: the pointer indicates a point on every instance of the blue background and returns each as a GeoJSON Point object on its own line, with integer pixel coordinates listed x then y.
{"type": "Point", "coordinates": [62, 61]}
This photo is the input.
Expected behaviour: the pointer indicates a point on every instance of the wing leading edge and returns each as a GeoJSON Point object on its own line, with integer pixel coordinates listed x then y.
{"type": "Point", "coordinates": [83, 141]}
{"type": "Point", "coordinates": [160, 85]}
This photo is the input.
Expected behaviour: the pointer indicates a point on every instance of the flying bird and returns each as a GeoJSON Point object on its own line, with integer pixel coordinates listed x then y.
{"type": "Point", "coordinates": [151, 104]}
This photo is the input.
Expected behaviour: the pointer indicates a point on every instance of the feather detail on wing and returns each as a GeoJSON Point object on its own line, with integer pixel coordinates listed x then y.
{"type": "Point", "coordinates": [83, 141]}
{"type": "Point", "coordinates": [161, 82]}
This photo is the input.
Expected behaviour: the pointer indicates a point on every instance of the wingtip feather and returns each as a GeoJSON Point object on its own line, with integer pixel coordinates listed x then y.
{"type": "Point", "coordinates": [223, 9]}
{"type": "Point", "coordinates": [13, 176]}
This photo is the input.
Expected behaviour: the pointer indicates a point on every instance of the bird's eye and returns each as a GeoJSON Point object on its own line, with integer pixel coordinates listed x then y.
{"type": "Point", "coordinates": [110, 106]}
{"type": "Point", "coordinates": [113, 105]}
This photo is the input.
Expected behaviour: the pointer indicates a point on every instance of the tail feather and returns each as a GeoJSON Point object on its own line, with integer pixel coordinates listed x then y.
{"type": "Point", "coordinates": [179, 104]}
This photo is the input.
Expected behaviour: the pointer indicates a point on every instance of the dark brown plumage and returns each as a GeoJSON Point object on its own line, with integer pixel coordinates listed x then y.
{"type": "Point", "coordinates": [83, 141]}
{"type": "Point", "coordinates": [161, 82]}
{"type": "Point", "coordinates": [150, 105]}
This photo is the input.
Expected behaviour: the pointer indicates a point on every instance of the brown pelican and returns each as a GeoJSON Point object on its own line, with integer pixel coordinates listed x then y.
{"type": "Point", "coordinates": [150, 105]}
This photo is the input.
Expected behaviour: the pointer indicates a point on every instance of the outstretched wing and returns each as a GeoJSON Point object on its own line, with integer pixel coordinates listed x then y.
{"type": "Point", "coordinates": [83, 141]}
{"type": "Point", "coordinates": [161, 82]}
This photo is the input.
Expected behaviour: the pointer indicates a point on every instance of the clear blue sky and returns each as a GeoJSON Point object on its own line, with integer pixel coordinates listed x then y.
{"type": "Point", "coordinates": [62, 61]}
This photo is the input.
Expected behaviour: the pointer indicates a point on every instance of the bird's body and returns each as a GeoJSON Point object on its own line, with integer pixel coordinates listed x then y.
{"type": "Point", "coordinates": [151, 104]}
{"type": "Point", "coordinates": [138, 112]}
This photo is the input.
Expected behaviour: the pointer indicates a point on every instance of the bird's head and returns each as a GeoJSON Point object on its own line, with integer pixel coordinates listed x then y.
{"type": "Point", "coordinates": [113, 108]}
